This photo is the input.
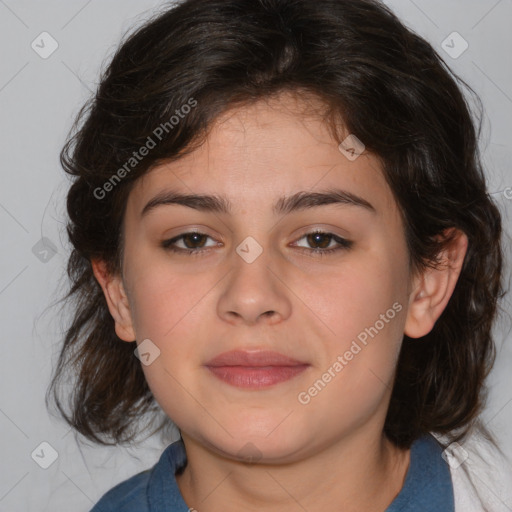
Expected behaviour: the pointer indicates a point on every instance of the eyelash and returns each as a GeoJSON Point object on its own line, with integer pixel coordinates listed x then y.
{"type": "Point", "coordinates": [343, 244]}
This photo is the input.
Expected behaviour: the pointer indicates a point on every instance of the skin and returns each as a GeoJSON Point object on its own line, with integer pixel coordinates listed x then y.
{"type": "Point", "coordinates": [332, 450]}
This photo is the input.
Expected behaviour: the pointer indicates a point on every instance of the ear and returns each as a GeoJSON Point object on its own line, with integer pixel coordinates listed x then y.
{"type": "Point", "coordinates": [433, 288]}
{"type": "Point", "coordinates": [117, 300]}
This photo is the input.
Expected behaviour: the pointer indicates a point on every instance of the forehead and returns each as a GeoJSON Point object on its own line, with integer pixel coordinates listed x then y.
{"type": "Point", "coordinates": [272, 148]}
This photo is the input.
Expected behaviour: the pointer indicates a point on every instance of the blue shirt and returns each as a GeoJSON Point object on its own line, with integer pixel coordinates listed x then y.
{"type": "Point", "coordinates": [427, 487]}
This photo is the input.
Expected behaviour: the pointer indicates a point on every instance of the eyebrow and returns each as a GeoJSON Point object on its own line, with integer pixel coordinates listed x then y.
{"type": "Point", "coordinates": [297, 202]}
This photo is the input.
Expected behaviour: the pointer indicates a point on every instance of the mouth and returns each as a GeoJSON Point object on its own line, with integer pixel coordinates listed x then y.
{"type": "Point", "coordinates": [254, 370]}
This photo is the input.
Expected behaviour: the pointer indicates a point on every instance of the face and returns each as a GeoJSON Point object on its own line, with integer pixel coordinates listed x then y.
{"type": "Point", "coordinates": [255, 277]}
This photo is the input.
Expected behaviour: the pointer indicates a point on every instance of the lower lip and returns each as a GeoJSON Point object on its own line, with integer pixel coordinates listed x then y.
{"type": "Point", "coordinates": [253, 377]}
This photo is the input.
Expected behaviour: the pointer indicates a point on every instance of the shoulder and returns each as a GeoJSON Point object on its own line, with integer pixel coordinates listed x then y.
{"type": "Point", "coordinates": [151, 490]}
{"type": "Point", "coordinates": [480, 474]}
{"type": "Point", "coordinates": [127, 496]}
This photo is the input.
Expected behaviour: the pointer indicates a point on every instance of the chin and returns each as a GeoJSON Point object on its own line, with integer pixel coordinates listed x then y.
{"type": "Point", "coordinates": [252, 445]}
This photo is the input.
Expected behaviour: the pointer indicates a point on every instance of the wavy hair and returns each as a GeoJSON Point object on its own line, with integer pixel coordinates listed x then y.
{"type": "Point", "coordinates": [384, 83]}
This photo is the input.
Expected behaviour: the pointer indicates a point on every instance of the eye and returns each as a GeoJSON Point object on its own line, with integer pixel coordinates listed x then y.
{"type": "Point", "coordinates": [324, 240]}
{"type": "Point", "coordinates": [194, 242]}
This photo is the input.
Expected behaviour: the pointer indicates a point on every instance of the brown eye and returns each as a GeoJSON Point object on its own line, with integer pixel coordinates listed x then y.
{"type": "Point", "coordinates": [323, 239]}
{"type": "Point", "coordinates": [194, 242]}
{"type": "Point", "coordinates": [191, 239]}
{"type": "Point", "coordinates": [320, 243]}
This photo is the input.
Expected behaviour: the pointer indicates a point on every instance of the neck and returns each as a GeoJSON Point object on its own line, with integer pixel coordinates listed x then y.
{"type": "Point", "coordinates": [362, 474]}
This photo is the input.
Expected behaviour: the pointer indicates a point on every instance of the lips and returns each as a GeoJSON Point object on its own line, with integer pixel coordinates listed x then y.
{"type": "Point", "coordinates": [246, 358]}
{"type": "Point", "coordinates": [255, 369]}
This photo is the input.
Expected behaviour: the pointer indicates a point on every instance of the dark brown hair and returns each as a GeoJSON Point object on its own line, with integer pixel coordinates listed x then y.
{"type": "Point", "coordinates": [385, 84]}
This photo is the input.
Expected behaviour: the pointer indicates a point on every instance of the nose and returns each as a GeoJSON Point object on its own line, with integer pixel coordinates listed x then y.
{"type": "Point", "coordinates": [255, 292]}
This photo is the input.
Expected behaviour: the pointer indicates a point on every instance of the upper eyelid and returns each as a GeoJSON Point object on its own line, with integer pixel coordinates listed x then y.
{"type": "Point", "coordinates": [309, 232]}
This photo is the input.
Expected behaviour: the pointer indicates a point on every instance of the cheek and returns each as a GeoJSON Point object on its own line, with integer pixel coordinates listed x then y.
{"type": "Point", "coordinates": [167, 310]}
{"type": "Point", "coordinates": [353, 295]}
{"type": "Point", "coordinates": [163, 300]}
{"type": "Point", "coordinates": [357, 377]}
{"type": "Point", "coordinates": [362, 310]}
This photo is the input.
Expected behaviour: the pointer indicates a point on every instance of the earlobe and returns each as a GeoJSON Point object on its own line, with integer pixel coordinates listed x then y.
{"type": "Point", "coordinates": [117, 300]}
{"type": "Point", "coordinates": [434, 287]}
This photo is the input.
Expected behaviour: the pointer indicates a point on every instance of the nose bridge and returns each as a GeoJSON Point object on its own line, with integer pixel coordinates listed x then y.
{"type": "Point", "coordinates": [253, 290]}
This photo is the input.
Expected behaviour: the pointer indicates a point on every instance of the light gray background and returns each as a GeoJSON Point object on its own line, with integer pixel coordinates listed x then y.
{"type": "Point", "coordinates": [38, 101]}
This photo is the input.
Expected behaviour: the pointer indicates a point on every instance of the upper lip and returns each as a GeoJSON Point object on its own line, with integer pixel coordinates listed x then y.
{"type": "Point", "coordinates": [253, 359]}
